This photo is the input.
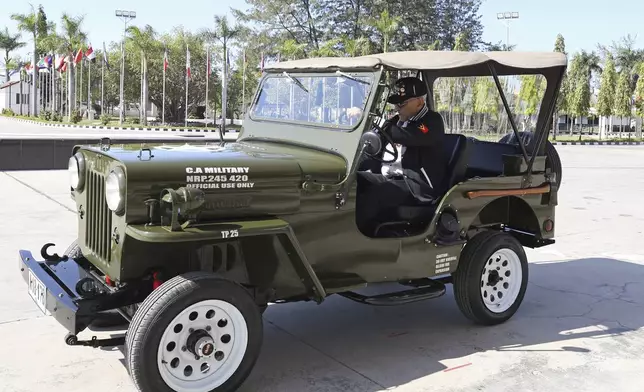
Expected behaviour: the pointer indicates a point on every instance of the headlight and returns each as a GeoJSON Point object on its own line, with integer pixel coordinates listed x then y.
{"type": "Point", "coordinates": [76, 170]}
{"type": "Point", "coordinates": [115, 190]}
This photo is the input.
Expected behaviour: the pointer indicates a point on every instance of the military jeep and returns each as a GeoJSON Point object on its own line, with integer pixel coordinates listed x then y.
{"type": "Point", "coordinates": [188, 245]}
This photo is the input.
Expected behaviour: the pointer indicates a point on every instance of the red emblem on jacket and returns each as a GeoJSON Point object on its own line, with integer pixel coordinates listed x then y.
{"type": "Point", "coordinates": [423, 128]}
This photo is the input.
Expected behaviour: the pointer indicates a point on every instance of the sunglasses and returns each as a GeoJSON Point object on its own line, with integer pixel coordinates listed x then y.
{"type": "Point", "coordinates": [404, 103]}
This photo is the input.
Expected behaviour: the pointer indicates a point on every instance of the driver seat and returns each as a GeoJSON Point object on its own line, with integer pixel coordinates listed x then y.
{"type": "Point", "coordinates": [456, 146]}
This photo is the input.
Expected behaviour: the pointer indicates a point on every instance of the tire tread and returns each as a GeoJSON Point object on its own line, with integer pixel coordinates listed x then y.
{"type": "Point", "coordinates": [154, 305]}
{"type": "Point", "coordinates": [466, 272]}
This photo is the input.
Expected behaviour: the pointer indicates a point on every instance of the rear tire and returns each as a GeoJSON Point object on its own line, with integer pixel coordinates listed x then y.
{"type": "Point", "coordinates": [219, 322]}
{"type": "Point", "coordinates": [492, 278]}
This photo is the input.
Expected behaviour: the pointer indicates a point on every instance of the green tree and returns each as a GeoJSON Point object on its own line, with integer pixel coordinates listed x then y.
{"type": "Point", "coordinates": [145, 41]}
{"type": "Point", "coordinates": [356, 47]}
{"type": "Point", "coordinates": [29, 23]}
{"type": "Point", "coordinates": [291, 50]}
{"type": "Point", "coordinates": [622, 102]}
{"type": "Point", "coordinates": [72, 38]}
{"type": "Point", "coordinates": [9, 43]}
{"type": "Point", "coordinates": [487, 100]}
{"type": "Point", "coordinates": [560, 47]}
{"type": "Point", "coordinates": [226, 34]}
{"type": "Point", "coordinates": [579, 100]}
{"type": "Point", "coordinates": [639, 90]}
{"type": "Point", "coordinates": [386, 25]}
{"type": "Point", "coordinates": [44, 28]}
{"type": "Point", "coordinates": [529, 97]}
{"type": "Point", "coordinates": [606, 95]}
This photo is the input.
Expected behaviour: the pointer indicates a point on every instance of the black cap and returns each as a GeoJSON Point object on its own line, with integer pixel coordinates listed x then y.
{"type": "Point", "coordinates": [406, 88]}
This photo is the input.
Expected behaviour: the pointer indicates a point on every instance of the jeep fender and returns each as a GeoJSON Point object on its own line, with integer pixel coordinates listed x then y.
{"type": "Point", "coordinates": [264, 243]}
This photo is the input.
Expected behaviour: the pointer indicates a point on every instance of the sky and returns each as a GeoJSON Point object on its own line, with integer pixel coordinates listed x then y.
{"type": "Point", "coordinates": [583, 23]}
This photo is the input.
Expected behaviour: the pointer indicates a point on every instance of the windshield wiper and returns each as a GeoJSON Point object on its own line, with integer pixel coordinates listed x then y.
{"type": "Point", "coordinates": [351, 77]}
{"type": "Point", "coordinates": [299, 84]}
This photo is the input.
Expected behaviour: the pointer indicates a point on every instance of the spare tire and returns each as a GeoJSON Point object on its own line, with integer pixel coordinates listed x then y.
{"type": "Point", "coordinates": [553, 161]}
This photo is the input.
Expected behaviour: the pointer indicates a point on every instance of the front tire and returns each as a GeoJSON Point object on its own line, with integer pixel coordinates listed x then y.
{"type": "Point", "coordinates": [492, 278]}
{"type": "Point", "coordinates": [196, 332]}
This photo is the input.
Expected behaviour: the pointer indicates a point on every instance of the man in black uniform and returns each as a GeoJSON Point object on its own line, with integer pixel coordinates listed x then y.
{"type": "Point", "coordinates": [420, 131]}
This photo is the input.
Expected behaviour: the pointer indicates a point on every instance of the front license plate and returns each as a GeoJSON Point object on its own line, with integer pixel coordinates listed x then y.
{"type": "Point", "coordinates": [38, 292]}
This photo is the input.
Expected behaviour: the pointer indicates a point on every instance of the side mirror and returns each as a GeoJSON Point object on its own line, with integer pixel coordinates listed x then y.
{"type": "Point", "coordinates": [371, 142]}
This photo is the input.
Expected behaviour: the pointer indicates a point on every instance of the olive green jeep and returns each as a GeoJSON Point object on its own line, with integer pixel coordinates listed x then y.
{"type": "Point", "coordinates": [189, 244]}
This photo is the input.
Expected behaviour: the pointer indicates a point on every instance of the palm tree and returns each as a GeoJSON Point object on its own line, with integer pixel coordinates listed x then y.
{"type": "Point", "coordinates": [145, 41]}
{"type": "Point", "coordinates": [225, 34]}
{"type": "Point", "coordinates": [356, 47]}
{"type": "Point", "coordinates": [9, 42]}
{"type": "Point", "coordinates": [387, 26]}
{"type": "Point", "coordinates": [28, 23]}
{"type": "Point", "coordinates": [72, 38]}
{"type": "Point", "coordinates": [291, 50]}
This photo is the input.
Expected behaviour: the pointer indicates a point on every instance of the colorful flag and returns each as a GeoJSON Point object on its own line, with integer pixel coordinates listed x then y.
{"type": "Point", "coordinates": [79, 56]}
{"type": "Point", "coordinates": [165, 58]}
{"type": "Point", "coordinates": [188, 62]}
{"type": "Point", "coordinates": [90, 54]}
{"type": "Point", "coordinates": [107, 64]}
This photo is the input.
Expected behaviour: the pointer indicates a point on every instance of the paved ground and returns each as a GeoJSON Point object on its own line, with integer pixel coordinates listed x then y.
{"type": "Point", "coordinates": [11, 129]}
{"type": "Point", "coordinates": [580, 327]}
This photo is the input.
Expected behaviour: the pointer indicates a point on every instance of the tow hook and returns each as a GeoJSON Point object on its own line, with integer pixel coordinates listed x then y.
{"type": "Point", "coordinates": [72, 340]}
{"type": "Point", "coordinates": [47, 256]}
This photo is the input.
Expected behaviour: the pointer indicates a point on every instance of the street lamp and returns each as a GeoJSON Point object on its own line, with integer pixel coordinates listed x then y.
{"type": "Point", "coordinates": [125, 16]}
{"type": "Point", "coordinates": [507, 16]}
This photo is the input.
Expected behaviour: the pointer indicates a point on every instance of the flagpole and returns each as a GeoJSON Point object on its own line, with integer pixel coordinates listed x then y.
{"type": "Point", "coordinates": [80, 88]}
{"type": "Point", "coordinates": [103, 85]}
{"type": "Point", "coordinates": [207, 78]}
{"type": "Point", "coordinates": [244, 85]}
{"type": "Point", "coordinates": [53, 84]}
{"type": "Point", "coordinates": [165, 52]}
{"type": "Point", "coordinates": [141, 108]}
{"type": "Point", "coordinates": [89, 87]}
{"type": "Point", "coordinates": [224, 98]}
{"type": "Point", "coordinates": [187, 71]}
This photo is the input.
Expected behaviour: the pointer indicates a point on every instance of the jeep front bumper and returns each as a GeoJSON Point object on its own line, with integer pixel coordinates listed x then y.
{"type": "Point", "coordinates": [54, 286]}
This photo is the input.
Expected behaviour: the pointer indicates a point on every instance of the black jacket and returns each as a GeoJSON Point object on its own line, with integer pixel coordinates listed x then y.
{"type": "Point", "coordinates": [424, 141]}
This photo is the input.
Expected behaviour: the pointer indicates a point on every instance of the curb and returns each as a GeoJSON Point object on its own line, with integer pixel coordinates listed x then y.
{"type": "Point", "coordinates": [206, 130]}
{"type": "Point", "coordinates": [597, 143]}
{"type": "Point", "coordinates": [158, 129]}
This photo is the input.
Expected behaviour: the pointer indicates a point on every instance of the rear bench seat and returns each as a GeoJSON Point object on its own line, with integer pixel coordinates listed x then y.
{"type": "Point", "coordinates": [486, 158]}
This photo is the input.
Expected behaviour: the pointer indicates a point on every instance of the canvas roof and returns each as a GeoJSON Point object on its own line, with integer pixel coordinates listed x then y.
{"type": "Point", "coordinates": [455, 61]}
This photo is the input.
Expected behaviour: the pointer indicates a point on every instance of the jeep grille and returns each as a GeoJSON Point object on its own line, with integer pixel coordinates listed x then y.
{"type": "Point", "coordinates": [99, 217]}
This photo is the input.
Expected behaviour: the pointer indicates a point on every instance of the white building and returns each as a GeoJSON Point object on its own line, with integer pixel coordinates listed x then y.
{"type": "Point", "coordinates": [11, 98]}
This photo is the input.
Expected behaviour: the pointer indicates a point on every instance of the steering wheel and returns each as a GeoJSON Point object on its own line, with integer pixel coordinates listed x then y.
{"type": "Point", "coordinates": [389, 141]}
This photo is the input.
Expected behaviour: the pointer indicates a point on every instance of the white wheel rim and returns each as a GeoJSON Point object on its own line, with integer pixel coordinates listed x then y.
{"type": "Point", "coordinates": [501, 280]}
{"type": "Point", "coordinates": [226, 329]}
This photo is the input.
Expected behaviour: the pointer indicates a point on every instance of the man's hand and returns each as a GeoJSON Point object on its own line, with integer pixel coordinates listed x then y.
{"type": "Point", "coordinates": [354, 112]}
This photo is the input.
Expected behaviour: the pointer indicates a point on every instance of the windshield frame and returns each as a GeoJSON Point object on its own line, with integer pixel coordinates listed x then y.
{"type": "Point", "coordinates": [370, 76]}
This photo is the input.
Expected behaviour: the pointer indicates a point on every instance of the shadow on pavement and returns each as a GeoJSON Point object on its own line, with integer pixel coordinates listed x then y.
{"type": "Point", "coordinates": [345, 346]}
{"type": "Point", "coordinates": [386, 347]}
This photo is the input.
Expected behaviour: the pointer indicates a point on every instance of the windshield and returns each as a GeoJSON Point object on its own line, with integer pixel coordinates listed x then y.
{"type": "Point", "coordinates": [329, 100]}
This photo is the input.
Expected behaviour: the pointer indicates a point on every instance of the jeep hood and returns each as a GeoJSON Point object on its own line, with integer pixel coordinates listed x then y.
{"type": "Point", "coordinates": [240, 179]}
